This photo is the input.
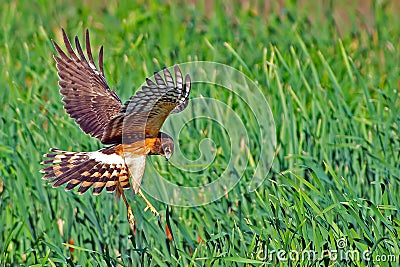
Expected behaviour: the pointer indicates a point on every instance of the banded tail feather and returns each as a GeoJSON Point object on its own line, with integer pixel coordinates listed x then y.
{"type": "Point", "coordinates": [100, 169]}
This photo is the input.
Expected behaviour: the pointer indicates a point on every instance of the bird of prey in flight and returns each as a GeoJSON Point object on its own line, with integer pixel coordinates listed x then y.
{"type": "Point", "coordinates": [131, 130]}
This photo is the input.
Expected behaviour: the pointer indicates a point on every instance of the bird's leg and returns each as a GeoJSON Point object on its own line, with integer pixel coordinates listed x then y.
{"type": "Point", "coordinates": [149, 206]}
{"type": "Point", "coordinates": [131, 218]}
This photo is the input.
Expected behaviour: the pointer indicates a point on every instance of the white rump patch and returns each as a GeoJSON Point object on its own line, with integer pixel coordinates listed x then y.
{"type": "Point", "coordinates": [106, 158]}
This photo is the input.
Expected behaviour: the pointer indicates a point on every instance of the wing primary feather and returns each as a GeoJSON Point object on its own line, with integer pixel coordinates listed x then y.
{"type": "Point", "coordinates": [79, 48]}
{"type": "Point", "coordinates": [178, 76]}
{"type": "Point", "coordinates": [88, 48]}
{"type": "Point", "coordinates": [68, 46]}
{"type": "Point", "coordinates": [101, 61]}
{"type": "Point", "coordinates": [59, 50]}
{"type": "Point", "coordinates": [160, 81]}
{"type": "Point", "coordinates": [150, 83]}
{"type": "Point", "coordinates": [188, 84]}
{"type": "Point", "coordinates": [168, 78]}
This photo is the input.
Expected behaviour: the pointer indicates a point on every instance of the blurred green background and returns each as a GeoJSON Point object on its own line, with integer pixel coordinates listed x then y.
{"type": "Point", "coordinates": [330, 71]}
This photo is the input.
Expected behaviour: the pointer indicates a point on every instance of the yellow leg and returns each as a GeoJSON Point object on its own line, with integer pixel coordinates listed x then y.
{"type": "Point", "coordinates": [149, 206]}
{"type": "Point", "coordinates": [131, 218]}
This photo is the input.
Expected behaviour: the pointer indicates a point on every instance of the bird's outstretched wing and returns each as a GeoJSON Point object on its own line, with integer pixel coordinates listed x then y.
{"type": "Point", "coordinates": [143, 115]}
{"type": "Point", "coordinates": [88, 98]}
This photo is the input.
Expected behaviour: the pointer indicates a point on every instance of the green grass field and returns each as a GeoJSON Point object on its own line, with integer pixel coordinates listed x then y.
{"type": "Point", "coordinates": [334, 93]}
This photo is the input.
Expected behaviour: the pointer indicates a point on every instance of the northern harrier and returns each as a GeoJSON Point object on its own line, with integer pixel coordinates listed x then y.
{"type": "Point", "coordinates": [132, 129]}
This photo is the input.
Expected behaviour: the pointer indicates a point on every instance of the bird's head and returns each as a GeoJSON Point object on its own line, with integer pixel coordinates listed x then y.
{"type": "Point", "coordinates": [167, 145]}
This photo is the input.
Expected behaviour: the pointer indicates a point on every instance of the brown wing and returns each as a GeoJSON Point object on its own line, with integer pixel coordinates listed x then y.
{"type": "Point", "coordinates": [87, 96]}
{"type": "Point", "coordinates": [144, 114]}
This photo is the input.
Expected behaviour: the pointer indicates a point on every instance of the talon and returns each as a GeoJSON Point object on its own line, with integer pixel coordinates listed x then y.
{"type": "Point", "coordinates": [148, 204]}
{"type": "Point", "coordinates": [129, 213]}
{"type": "Point", "coordinates": [131, 219]}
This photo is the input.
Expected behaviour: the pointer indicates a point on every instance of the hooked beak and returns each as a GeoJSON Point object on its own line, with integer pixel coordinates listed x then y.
{"type": "Point", "coordinates": [168, 154]}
